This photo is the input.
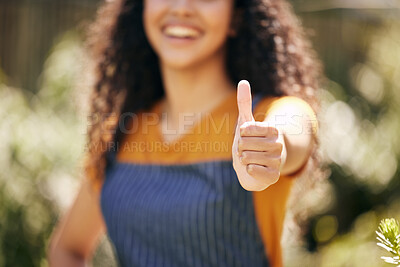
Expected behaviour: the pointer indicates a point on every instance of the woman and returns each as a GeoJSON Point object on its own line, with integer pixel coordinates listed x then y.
{"type": "Point", "coordinates": [183, 168]}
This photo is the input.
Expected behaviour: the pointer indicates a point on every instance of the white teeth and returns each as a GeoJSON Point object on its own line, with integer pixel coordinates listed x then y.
{"type": "Point", "coordinates": [182, 32]}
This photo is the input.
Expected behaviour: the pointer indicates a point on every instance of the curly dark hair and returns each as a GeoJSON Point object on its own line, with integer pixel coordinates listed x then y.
{"type": "Point", "coordinates": [270, 49]}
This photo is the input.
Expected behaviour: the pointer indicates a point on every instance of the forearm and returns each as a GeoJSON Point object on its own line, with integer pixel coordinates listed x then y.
{"type": "Point", "coordinates": [298, 149]}
{"type": "Point", "coordinates": [296, 136]}
{"type": "Point", "coordinates": [74, 239]}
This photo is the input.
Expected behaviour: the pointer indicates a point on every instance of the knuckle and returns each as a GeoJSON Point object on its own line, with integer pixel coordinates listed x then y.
{"type": "Point", "coordinates": [276, 162]}
{"type": "Point", "coordinates": [250, 169]}
{"type": "Point", "coordinates": [274, 132]}
{"type": "Point", "coordinates": [275, 176]}
{"type": "Point", "coordinates": [280, 147]}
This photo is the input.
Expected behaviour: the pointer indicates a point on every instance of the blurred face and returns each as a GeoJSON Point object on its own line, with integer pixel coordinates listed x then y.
{"type": "Point", "coordinates": [187, 32]}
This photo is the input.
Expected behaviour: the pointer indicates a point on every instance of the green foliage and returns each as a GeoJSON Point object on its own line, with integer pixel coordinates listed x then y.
{"type": "Point", "coordinates": [41, 144]}
{"type": "Point", "coordinates": [389, 239]}
{"type": "Point", "coordinates": [359, 139]}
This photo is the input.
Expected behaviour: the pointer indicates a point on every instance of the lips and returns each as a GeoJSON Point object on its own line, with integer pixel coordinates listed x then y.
{"type": "Point", "coordinates": [181, 31]}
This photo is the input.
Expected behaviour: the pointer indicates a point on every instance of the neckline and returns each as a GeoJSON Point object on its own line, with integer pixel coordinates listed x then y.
{"type": "Point", "coordinates": [158, 127]}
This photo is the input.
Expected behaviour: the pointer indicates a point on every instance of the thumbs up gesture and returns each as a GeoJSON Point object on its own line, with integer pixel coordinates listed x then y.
{"type": "Point", "coordinates": [258, 147]}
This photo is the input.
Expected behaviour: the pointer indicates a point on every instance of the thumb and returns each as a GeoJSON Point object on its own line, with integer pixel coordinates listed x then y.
{"type": "Point", "coordinates": [244, 102]}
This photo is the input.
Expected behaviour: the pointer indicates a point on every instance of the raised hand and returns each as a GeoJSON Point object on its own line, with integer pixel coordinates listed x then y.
{"type": "Point", "coordinates": [257, 147]}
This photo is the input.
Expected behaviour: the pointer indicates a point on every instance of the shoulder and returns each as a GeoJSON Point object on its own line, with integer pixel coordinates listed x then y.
{"type": "Point", "coordinates": [268, 103]}
{"type": "Point", "coordinates": [289, 106]}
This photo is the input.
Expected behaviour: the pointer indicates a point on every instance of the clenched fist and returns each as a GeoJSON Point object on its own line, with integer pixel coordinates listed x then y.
{"type": "Point", "coordinates": [258, 149]}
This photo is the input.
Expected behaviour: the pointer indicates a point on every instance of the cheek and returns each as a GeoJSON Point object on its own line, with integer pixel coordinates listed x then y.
{"type": "Point", "coordinates": [152, 10]}
{"type": "Point", "coordinates": [219, 20]}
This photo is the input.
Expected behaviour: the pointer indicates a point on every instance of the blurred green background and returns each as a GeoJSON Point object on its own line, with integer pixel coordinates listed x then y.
{"type": "Point", "coordinates": [43, 89]}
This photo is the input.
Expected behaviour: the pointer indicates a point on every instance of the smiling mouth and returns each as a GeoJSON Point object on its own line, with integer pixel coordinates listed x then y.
{"type": "Point", "coordinates": [181, 32]}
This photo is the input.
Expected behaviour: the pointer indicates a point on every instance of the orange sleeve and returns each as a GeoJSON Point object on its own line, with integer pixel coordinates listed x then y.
{"type": "Point", "coordinates": [270, 204]}
{"type": "Point", "coordinates": [270, 209]}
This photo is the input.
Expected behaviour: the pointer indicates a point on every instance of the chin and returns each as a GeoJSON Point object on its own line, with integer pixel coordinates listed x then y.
{"type": "Point", "coordinates": [180, 62]}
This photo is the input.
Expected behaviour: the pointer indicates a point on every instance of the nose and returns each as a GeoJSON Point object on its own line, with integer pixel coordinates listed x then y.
{"type": "Point", "coordinates": [182, 8]}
